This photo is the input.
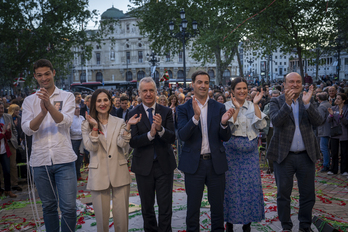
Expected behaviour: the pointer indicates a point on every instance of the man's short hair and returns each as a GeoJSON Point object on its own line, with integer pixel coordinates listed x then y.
{"type": "Point", "coordinates": [199, 72]}
{"type": "Point", "coordinates": [147, 80]}
{"type": "Point", "coordinates": [276, 92]}
{"type": "Point", "coordinates": [77, 93]}
{"type": "Point", "coordinates": [323, 96]}
{"type": "Point", "coordinates": [123, 98]}
{"type": "Point", "coordinates": [43, 63]}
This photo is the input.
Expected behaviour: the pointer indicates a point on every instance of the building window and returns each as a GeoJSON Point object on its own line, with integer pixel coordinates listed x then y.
{"type": "Point", "coordinates": [140, 57]}
{"type": "Point", "coordinates": [276, 63]}
{"type": "Point", "coordinates": [280, 63]}
{"type": "Point", "coordinates": [83, 77]}
{"type": "Point", "coordinates": [99, 77]}
{"type": "Point", "coordinates": [129, 76]}
{"type": "Point", "coordinates": [284, 57]}
{"type": "Point", "coordinates": [140, 75]}
{"type": "Point", "coordinates": [98, 57]}
{"type": "Point", "coordinates": [139, 45]}
{"type": "Point", "coordinates": [98, 47]}
{"type": "Point", "coordinates": [180, 57]}
{"type": "Point", "coordinates": [211, 73]}
{"type": "Point", "coordinates": [170, 73]}
{"type": "Point", "coordinates": [128, 57]}
{"type": "Point", "coordinates": [226, 74]}
{"type": "Point", "coordinates": [276, 70]}
{"type": "Point", "coordinates": [345, 61]}
{"type": "Point", "coordinates": [180, 74]}
{"type": "Point", "coordinates": [112, 55]}
{"type": "Point", "coordinates": [168, 57]}
{"type": "Point", "coordinates": [276, 57]}
{"type": "Point", "coordinates": [127, 27]}
{"type": "Point", "coordinates": [82, 58]}
{"type": "Point", "coordinates": [284, 69]}
{"type": "Point", "coordinates": [127, 45]}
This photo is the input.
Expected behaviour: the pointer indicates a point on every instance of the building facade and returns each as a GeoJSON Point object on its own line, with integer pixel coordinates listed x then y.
{"type": "Point", "coordinates": [123, 57]}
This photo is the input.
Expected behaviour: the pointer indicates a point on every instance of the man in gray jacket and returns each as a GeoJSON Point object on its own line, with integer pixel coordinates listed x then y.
{"type": "Point", "coordinates": [324, 130]}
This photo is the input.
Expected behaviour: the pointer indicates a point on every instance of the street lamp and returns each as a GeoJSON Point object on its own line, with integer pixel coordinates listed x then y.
{"type": "Point", "coordinates": [152, 58]}
{"type": "Point", "coordinates": [183, 36]}
{"type": "Point", "coordinates": [250, 62]}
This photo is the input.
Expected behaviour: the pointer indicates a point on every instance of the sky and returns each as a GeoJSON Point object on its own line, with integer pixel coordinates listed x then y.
{"type": "Point", "coordinates": [102, 5]}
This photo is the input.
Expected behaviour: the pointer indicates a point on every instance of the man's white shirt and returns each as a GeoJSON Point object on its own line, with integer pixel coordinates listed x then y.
{"type": "Point", "coordinates": [51, 142]}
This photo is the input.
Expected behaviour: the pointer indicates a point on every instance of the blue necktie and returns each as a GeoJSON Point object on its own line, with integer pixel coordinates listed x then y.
{"type": "Point", "coordinates": [151, 120]}
{"type": "Point", "coordinates": [150, 115]}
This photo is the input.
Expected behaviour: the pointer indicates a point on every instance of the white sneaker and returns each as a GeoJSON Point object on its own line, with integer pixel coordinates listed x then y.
{"type": "Point", "coordinates": [345, 174]}
{"type": "Point", "coordinates": [330, 173]}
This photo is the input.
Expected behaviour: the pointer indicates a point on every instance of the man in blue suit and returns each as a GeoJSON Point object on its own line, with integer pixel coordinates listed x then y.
{"type": "Point", "coordinates": [202, 126]}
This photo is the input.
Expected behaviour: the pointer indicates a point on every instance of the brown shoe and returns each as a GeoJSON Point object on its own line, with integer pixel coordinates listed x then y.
{"type": "Point", "coordinates": [10, 194]}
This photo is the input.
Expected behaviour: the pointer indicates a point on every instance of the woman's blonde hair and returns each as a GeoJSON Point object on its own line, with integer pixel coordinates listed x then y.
{"type": "Point", "coordinates": [12, 108]}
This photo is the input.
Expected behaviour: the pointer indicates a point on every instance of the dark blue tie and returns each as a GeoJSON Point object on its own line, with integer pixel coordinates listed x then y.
{"type": "Point", "coordinates": [151, 120]}
{"type": "Point", "coordinates": [150, 115]}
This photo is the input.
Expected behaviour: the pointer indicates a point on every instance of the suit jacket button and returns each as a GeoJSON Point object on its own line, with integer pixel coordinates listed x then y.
{"type": "Point", "coordinates": [109, 156]}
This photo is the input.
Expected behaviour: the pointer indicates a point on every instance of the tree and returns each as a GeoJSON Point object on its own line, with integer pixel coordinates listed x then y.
{"type": "Point", "coordinates": [214, 23]}
{"type": "Point", "coordinates": [292, 25]}
{"type": "Point", "coordinates": [35, 29]}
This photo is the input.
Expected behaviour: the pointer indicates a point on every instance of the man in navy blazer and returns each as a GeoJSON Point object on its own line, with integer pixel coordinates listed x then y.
{"type": "Point", "coordinates": [202, 126]}
{"type": "Point", "coordinates": [153, 159]}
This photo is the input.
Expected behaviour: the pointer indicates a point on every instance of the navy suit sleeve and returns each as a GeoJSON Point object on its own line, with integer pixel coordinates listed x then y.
{"type": "Point", "coordinates": [138, 139]}
{"type": "Point", "coordinates": [225, 134]}
{"type": "Point", "coordinates": [186, 126]}
{"type": "Point", "coordinates": [169, 133]}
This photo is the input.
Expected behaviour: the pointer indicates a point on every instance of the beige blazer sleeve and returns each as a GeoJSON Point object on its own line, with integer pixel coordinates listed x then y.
{"type": "Point", "coordinates": [108, 164]}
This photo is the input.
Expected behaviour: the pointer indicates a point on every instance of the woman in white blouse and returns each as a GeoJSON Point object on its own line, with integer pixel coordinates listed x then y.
{"type": "Point", "coordinates": [243, 194]}
{"type": "Point", "coordinates": [105, 136]}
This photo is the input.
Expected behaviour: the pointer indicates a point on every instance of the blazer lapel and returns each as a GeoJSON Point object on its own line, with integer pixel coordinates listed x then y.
{"type": "Point", "coordinates": [282, 103]}
{"type": "Point", "coordinates": [210, 111]}
{"type": "Point", "coordinates": [103, 141]}
{"type": "Point", "coordinates": [192, 113]}
{"type": "Point", "coordinates": [144, 117]}
{"type": "Point", "coordinates": [112, 124]}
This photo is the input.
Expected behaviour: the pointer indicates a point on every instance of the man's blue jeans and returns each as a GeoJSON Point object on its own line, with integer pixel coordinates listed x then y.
{"type": "Point", "coordinates": [57, 182]}
{"type": "Point", "coordinates": [324, 148]}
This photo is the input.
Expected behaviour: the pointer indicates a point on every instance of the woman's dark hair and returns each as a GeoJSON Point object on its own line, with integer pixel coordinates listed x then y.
{"type": "Point", "coordinates": [344, 97]}
{"type": "Point", "coordinates": [236, 81]}
{"type": "Point", "coordinates": [220, 95]}
{"type": "Point", "coordinates": [93, 111]}
{"type": "Point", "coordinates": [170, 100]}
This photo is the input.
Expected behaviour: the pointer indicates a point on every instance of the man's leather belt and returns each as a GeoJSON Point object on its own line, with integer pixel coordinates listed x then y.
{"type": "Point", "coordinates": [298, 152]}
{"type": "Point", "coordinates": [206, 156]}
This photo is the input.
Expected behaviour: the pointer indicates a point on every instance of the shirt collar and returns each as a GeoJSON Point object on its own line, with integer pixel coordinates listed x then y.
{"type": "Point", "coordinates": [205, 103]}
{"type": "Point", "coordinates": [56, 91]}
{"type": "Point", "coordinates": [153, 106]}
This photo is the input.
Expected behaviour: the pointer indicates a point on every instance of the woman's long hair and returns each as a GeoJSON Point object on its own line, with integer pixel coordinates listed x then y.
{"type": "Point", "coordinates": [93, 111]}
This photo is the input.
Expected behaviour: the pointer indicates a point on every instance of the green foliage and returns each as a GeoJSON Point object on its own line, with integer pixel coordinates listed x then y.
{"type": "Point", "coordinates": [35, 29]}
{"type": "Point", "coordinates": [214, 23]}
{"type": "Point", "coordinates": [292, 25]}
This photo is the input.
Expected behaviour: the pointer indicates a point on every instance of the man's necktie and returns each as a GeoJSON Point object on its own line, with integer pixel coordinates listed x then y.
{"type": "Point", "coordinates": [151, 120]}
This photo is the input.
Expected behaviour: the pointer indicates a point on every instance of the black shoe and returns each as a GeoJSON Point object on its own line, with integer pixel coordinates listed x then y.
{"type": "Point", "coordinates": [246, 227]}
{"type": "Point", "coordinates": [229, 227]}
{"type": "Point", "coordinates": [305, 230]}
{"type": "Point", "coordinates": [324, 169]}
{"type": "Point", "coordinates": [19, 189]}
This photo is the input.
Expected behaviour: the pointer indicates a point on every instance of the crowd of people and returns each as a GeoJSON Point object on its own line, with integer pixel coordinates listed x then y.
{"type": "Point", "coordinates": [216, 131]}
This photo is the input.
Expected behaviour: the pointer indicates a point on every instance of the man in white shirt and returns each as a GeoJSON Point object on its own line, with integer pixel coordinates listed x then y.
{"type": "Point", "coordinates": [52, 158]}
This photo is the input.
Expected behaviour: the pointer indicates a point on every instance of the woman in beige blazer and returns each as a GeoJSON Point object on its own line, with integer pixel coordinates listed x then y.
{"type": "Point", "coordinates": [105, 136]}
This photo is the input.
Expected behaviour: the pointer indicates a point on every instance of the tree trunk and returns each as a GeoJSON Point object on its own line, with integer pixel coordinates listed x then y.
{"type": "Point", "coordinates": [239, 63]}
{"type": "Point", "coordinates": [218, 77]}
{"type": "Point", "coordinates": [299, 53]}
